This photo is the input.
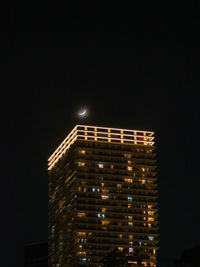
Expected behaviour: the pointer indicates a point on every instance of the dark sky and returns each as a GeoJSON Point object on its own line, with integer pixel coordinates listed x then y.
{"type": "Point", "coordinates": [134, 67]}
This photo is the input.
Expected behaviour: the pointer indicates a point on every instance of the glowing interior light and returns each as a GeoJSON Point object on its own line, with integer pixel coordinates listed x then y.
{"type": "Point", "coordinates": [100, 165]}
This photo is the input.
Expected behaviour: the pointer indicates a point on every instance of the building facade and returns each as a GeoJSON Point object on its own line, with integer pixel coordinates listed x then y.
{"type": "Point", "coordinates": [103, 196]}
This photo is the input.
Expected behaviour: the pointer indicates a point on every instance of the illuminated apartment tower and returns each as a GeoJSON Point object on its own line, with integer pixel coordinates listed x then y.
{"type": "Point", "coordinates": [102, 195]}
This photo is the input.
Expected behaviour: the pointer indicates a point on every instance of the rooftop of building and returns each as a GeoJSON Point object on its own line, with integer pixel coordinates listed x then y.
{"type": "Point", "coordinates": [101, 134]}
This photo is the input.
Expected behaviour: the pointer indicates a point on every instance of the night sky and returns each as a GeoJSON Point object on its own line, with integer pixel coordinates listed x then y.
{"type": "Point", "coordinates": [133, 67]}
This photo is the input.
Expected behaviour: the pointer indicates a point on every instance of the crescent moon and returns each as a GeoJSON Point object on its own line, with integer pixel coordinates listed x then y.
{"type": "Point", "coordinates": [82, 113]}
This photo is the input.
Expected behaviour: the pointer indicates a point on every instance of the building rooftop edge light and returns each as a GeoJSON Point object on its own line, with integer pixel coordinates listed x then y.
{"type": "Point", "coordinates": [60, 149]}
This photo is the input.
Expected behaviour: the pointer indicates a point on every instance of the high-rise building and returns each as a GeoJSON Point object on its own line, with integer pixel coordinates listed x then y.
{"type": "Point", "coordinates": [103, 196]}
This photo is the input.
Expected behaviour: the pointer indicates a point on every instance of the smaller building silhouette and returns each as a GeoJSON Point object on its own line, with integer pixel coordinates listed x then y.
{"type": "Point", "coordinates": [36, 255]}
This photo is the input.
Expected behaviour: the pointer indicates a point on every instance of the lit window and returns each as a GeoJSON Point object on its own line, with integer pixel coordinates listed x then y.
{"type": "Point", "coordinates": [102, 184]}
{"type": "Point", "coordinates": [119, 186]}
{"type": "Point", "coordinates": [130, 223]}
{"type": "Point", "coordinates": [98, 190]}
{"type": "Point", "coordinates": [154, 251]}
{"type": "Point", "coordinates": [149, 225]}
{"type": "Point", "coordinates": [93, 189]}
{"type": "Point", "coordinates": [129, 205]}
{"type": "Point", "coordinates": [128, 156]}
{"type": "Point", "coordinates": [135, 262]}
{"type": "Point", "coordinates": [140, 243]}
{"type": "Point", "coordinates": [81, 214]}
{"type": "Point", "coordinates": [150, 206]}
{"type": "Point", "coordinates": [105, 222]}
{"type": "Point", "coordinates": [130, 218]}
{"type": "Point", "coordinates": [82, 151]}
{"type": "Point", "coordinates": [81, 163]}
{"type": "Point", "coordinates": [131, 243]}
{"type": "Point", "coordinates": [130, 236]}
{"type": "Point", "coordinates": [129, 168]}
{"type": "Point", "coordinates": [151, 219]}
{"type": "Point", "coordinates": [120, 236]}
{"type": "Point", "coordinates": [103, 209]}
{"type": "Point", "coordinates": [101, 215]}
{"type": "Point", "coordinates": [104, 190]}
{"type": "Point", "coordinates": [129, 162]}
{"type": "Point", "coordinates": [130, 199]}
{"type": "Point", "coordinates": [128, 180]}
{"type": "Point", "coordinates": [104, 197]}
{"type": "Point", "coordinates": [120, 248]}
{"type": "Point", "coordinates": [151, 238]}
{"type": "Point", "coordinates": [79, 188]}
{"type": "Point", "coordinates": [84, 189]}
{"type": "Point", "coordinates": [150, 212]}
{"type": "Point", "coordinates": [53, 228]}
{"type": "Point", "coordinates": [143, 169]}
{"type": "Point", "coordinates": [82, 233]}
{"type": "Point", "coordinates": [83, 259]}
{"type": "Point", "coordinates": [111, 166]}
{"type": "Point", "coordinates": [81, 253]}
{"type": "Point", "coordinates": [130, 249]}
{"type": "Point", "coordinates": [100, 165]}
{"type": "Point", "coordinates": [143, 181]}
{"type": "Point", "coordinates": [89, 233]}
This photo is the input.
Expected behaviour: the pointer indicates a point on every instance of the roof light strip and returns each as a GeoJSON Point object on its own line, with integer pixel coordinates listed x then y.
{"type": "Point", "coordinates": [117, 129]}
{"type": "Point", "coordinates": [63, 147]}
{"type": "Point", "coordinates": [112, 138]}
{"type": "Point", "coordinates": [60, 148]}
{"type": "Point", "coordinates": [56, 160]}
{"type": "Point", "coordinates": [63, 142]}
{"type": "Point", "coordinates": [132, 135]}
